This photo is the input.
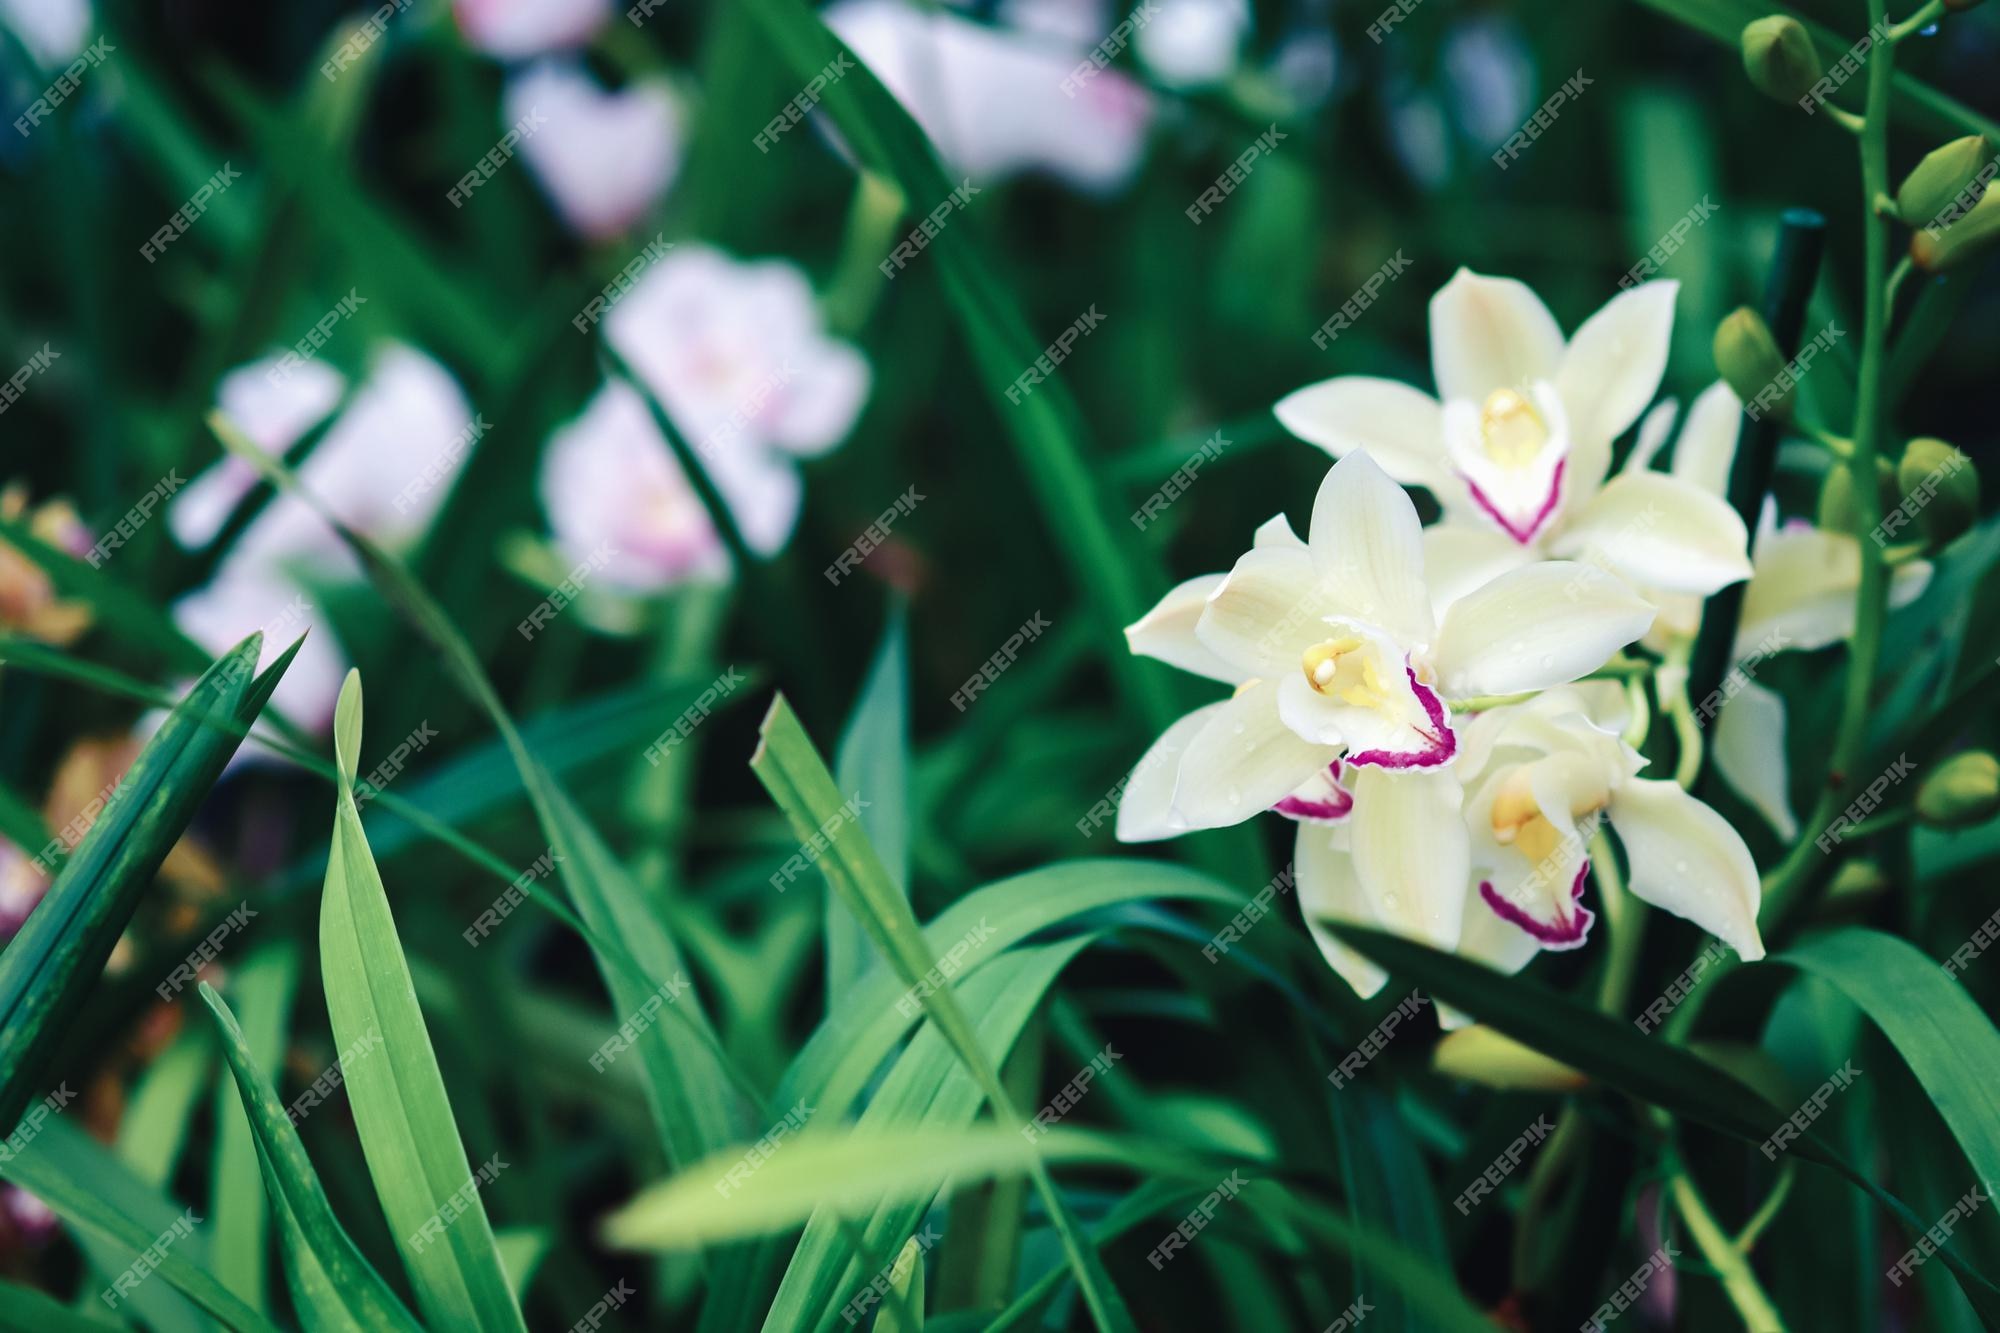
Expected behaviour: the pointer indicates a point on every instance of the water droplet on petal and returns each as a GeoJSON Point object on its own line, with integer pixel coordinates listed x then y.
{"type": "Point", "coordinates": [1516, 647]}
{"type": "Point", "coordinates": [1235, 796]}
{"type": "Point", "coordinates": [1680, 867]}
{"type": "Point", "coordinates": [1548, 661]}
{"type": "Point", "coordinates": [1241, 728]}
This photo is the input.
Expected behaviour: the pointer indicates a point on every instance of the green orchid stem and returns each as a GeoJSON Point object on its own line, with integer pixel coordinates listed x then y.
{"type": "Point", "coordinates": [1767, 1211]}
{"type": "Point", "coordinates": [1847, 120]}
{"type": "Point", "coordinates": [1625, 919]}
{"type": "Point", "coordinates": [1888, 819]}
{"type": "Point", "coordinates": [1917, 22]}
{"type": "Point", "coordinates": [1731, 1264]}
{"type": "Point", "coordinates": [1788, 888]}
{"type": "Point", "coordinates": [1687, 732]}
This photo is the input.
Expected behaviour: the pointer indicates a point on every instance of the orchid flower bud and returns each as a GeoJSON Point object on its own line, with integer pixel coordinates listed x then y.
{"type": "Point", "coordinates": [1748, 358]}
{"type": "Point", "coordinates": [1937, 182]}
{"type": "Point", "coordinates": [1939, 483]}
{"type": "Point", "coordinates": [1963, 790]}
{"type": "Point", "coordinates": [1778, 56]}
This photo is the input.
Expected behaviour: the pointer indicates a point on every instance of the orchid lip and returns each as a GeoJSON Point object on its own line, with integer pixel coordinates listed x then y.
{"type": "Point", "coordinates": [1526, 535]}
{"type": "Point", "coordinates": [1569, 933]}
{"type": "Point", "coordinates": [1443, 740]}
{"type": "Point", "coordinates": [1306, 810]}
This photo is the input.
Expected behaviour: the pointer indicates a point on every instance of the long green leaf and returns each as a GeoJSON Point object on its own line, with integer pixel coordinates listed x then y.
{"type": "Point", "coordinates": [797, 778]}
{"type": "Point", "coordinates": [1647, 1068]}
{"type": "Point", "coordinates": [50, 967]}
{"type": "Point", "coordinates": [97, 1195]}
{"type": "Point", "coordinates": [264, 985]}
{"type": "Point", "coordinates": [874, 756]}
{"type": "Point", "coordinates": [334, 1286]}
{"type": "Point", "coordinates": [429, 1191]}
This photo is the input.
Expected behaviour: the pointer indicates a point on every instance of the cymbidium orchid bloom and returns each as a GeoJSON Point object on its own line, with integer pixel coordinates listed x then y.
{"type": "Point", "coordinates": [603, 158]}
{"type": "Point", "coordinates": [739, 357]}
{"type": "Point", "coordinates": [1517, 445]}
{"type": "Point", "coordinates": [1801, 598]}
{"type": "Point", "coordinates": [1531, 782]}
{"type": "Point", "coordinates": [1337, 658]}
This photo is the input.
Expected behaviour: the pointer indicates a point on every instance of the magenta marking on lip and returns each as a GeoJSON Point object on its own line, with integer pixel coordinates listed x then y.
{"type": "Point", "coordinates": [1443, 740]}
{"type": "Point", "coordinates": [1569, 934]}
{"type": "Point", "coordinates": [1309, 811]}
{"type": "Point", "coordinates": [1541, 515]}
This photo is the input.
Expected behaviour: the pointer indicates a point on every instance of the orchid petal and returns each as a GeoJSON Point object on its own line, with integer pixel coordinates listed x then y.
{"type": "Point", "coordinates": [1535, 627]}
{"type": "Point", "coordinates": [1491, 333]}
{"type": "Point", "coordinates": [1400, 427]}
{"type": "Point", "coordinates": [1267, 611]}
{"type": "Point", "coordinates": [1330, 890]}
{"type": "Point", "coordinates": [1410, 851]}
{"type": "Point", "coordinates": [1243, 761]}
{"type": "Point", "coordinates": [1368, 549]}
{"type": "Point", "coordinates": [1459, 557]}
{"type": "Point", "coordinates": [1706, 449]}
{"type": "Point", "coordinates": [1167, 632]}
{"type": "Point", "coordinates": [1145, 808]}
{"type": "Point", "coordinates": [1660, 532]}
{"type": "Point", "coordinates": [1687, 859]}
{"type": "Point", "coordinates": [1611, 370]}
{"type": "Point", "coordinates": [1749, 751]}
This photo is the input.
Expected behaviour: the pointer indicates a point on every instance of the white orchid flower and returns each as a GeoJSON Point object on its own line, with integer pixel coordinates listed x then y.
{"type": "Point", "coordinates": [603, 158]}
{"type": "Point", "coordinates": [1801, 597]}
{"type": "Point", "coordinates": [1342, 676]}
{"type": "Point", "coordinates": [1532, 781]}
{"type": "Point", "coordinates": [1517, 445]}
{"type": "Point", "coordinates": [997, 101]}
{"type": "Point", "coordinates": [739, 357]}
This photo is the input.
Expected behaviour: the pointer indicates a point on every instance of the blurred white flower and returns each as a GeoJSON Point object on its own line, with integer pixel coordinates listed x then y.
{"type": "Point", "coordinates": [54, 31]}
{"type": "Point", "coordinates": [994, 101]}
{"type": "Point", "coordinates": [737, 354]}
{"type": "Point", "coordinates": [383, 468]}
{"type": "Point", "coordinates": [242, 600]}
{"type": "Point", "coordinates": [22, 884]}
{"type": "Point", "coordinates": [610, 477]}
{"type": "Point", "coordinates": [1517, 450]}
{"type": "Point", "coordinates": [1192, 43]}
{"type": "Point", "coordinates": [603, 158]}
{"type": "Point", "coordinates": [516, 29]}
{"type": "Point", "coordinates": [1490, 78]}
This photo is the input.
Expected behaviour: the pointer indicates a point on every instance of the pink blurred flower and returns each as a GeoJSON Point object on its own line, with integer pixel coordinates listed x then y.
{"type": "Point", "coordinates": [603, 158]}
{"type": "Point", "coordinates": [22, 884]}
{"type": "Point", "coordinates": [517, 29]}
{"type": "Point", "coordinates": [996, 102]}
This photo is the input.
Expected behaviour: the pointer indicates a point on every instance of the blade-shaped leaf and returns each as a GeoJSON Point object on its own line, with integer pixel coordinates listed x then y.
{"type": "Point", "coordinates": [429, 1191]}
{"type": "Point", "coordinates": [797, 778]}
{"type": "Point", "coordinates": [94, 1193]}
{"type": "Point", "coordinates": [874, 756]}
{"type": "Point", "coordinates": [331, 1282]}
{"type": "Point", "coordinates": [1647, 1068]}
{"type": "Point", "coordinates": [57, 957]}
{"type": "Point", "coordinates": [264, 985]}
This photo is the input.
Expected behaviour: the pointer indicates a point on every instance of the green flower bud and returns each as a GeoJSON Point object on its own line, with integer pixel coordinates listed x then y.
{"type": "Point", "coordinates": [1480, 1054]}
{"type": "Point", "coordinates": [1939, 484]}
{"type": "Point", "coordinates": [1948, 242]}
{"type": "Point", "coordinates": [1963, 790]}
{"type": "Point", "coordinates": [1855, 883]}
{"type": "Point", "coordinates": [1778, 56]}
{"type": "Point", "coordinates": [1836, 495]}
{"type": "Point", "coordinates": [1747, 356]}
{"type": "Point", "coordinates": [1958, 168]}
